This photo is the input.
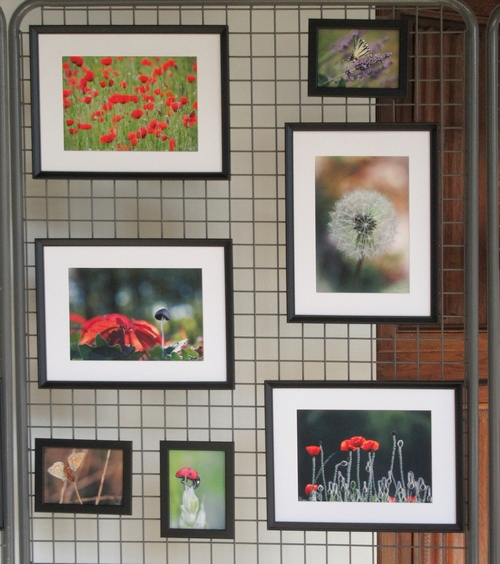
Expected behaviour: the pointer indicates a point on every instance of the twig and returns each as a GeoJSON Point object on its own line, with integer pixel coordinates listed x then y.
{"type": "Point", "coordinates": [98, 498]}
{"type": "Point", "coordinates": [78, 493]}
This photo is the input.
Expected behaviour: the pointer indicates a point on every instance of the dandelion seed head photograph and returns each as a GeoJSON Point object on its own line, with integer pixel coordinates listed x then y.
{"type": "Point", "coordinates": [362, 224]}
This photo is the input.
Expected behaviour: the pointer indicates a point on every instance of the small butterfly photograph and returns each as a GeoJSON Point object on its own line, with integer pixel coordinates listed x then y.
{"type": "Point", "coordinates": [83, 476]}
{"type": "Point", "coordinates": [358, 58]}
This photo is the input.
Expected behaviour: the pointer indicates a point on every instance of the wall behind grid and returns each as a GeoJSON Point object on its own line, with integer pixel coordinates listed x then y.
{"type": "Point", "coordinates": [268, 87]}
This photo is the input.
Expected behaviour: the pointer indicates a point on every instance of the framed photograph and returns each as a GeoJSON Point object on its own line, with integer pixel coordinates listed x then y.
{"type": "Point", "coordinates": [361, 205]}
{"type": "Point", "coordinates": [130, 101]}
{"type": "Point", "coordinates": [364, 455]}
{"type": "Point", "coordinates": [358, 58]}
{"type": "Point", "coordinates": [80, 476]}
{"type": "Point", "coordinates": [197, 489]}
{"type": "Point", "coordinates": [134, 313]}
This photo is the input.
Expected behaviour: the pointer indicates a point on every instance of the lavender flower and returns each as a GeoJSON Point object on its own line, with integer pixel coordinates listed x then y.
{"type": "Point", "coordinates": [363, 224]}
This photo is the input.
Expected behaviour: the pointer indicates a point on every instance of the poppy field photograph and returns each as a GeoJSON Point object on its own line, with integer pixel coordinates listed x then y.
{"type": "Point", "coordinates": [197, 489]}
{"type": "Point", "coordinates": [358, 58]}
{"type": "Point", "coordinates": [83, 476]}
{"type": "Point", "coordinates": [130, 101]}
{"type": "Point", "coordinates": [361, 209]}
{"type": "Point", "coordinates": [364, 455]}
{"type": "Point", "coordinates": [134, 313]}
{"type": "Point", "coordinates": [362, 222]}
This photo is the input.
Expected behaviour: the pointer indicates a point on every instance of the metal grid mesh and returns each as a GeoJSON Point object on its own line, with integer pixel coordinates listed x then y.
{"type": "Point", "coordinates": [268, 70]}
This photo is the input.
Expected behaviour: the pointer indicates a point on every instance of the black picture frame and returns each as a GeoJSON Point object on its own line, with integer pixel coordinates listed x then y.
{"type": "Point", "coordinates": [137, 101]}
{"type": "Point", "coordinates": [323, 435]}
{"type": "Point", "coordinates": [358, 58]}
{"type": "Point", "coordinates": [361, 222]}
{"type": "Point", "coordinates": [120, 300]}
{"type": "Point", "coordinates": [186, 466]}
{"type": "Point", "coordinates": [83, 476]}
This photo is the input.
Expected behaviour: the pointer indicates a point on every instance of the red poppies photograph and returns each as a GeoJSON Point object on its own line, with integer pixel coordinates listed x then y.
{"type": "Point", "coordinates": [130, 103]}
{"type": "Point", "coordinates": [379, 456]}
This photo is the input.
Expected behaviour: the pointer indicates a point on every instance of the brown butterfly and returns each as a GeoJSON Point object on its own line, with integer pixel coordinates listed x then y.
{"type": "Point", "coordinates": [67, 471]}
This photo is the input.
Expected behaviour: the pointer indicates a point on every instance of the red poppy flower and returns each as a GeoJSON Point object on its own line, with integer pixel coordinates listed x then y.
{"type": "Point", "coordinates": [123, 84]}
{"type": "Point", "coordinates": [76, 322]}
{"type": "Point", "coordinates": [168, 64]}
{"type": "Point", "coordinates": [195, 105]}
{"type": "Point", "coordinates": [67, 92]}
{"type": "Point", "coordinates": [146, 62]}
{"type": "Point", "coordinates": [67, 103]}
{"type": "Point", "coordinates": [370, 445]}
{"type": "Point", "coordinates": [107, 138]}
{"type": "Point", "coordinates": [184, 100]}
{"type": "Point", "coordinates": [313, 450]}
{"type": "Point", "coordinates": [189, 120]}
{"type": "Point", "coordinates": [106, 61]}
{"type": "Point", "coordinates": [84, 125]}
{"type": "Point", "coordinates": [136, 114]}
{"type": "Point", "coordinates": [89, 76]}
{"type": "Point", "coordinates": [149, 106]}
{"type": "Point", "coordinates": [119, 329]}
{"type": "Point", "coordinates": [111, 82]}
{"type": "Point", "coordinates": [121, 147]}
{"type": "Point", "coordinates": [195, 66]}
{"type": "Point", "coordinates": [73, 130]}
{"type": "Point", "coordinates": [310, 488]}
{"type": "Point", "coordinates": [171, 144]}
{"type": "Point", "coordinates": [88, 99]}
{"type": "Point", "coordinates": [107, 106]}
{"type": "Point", "coordinates": [70, 122]}
{"type": "Point", "coordinates": [190, 78]}
{"type": "Point", "coordinates": [117, 98]}
{"type": "Point", "coordinates": [102, 83]}
{"type": "Point", "coordinates": [175, 106]}
{"type": "Point", "coordinates": [357, 441]}
{"type": "Point", "coordinates": [346, 445]}
{"type": "Point", "coordinates": [143, 78]}
{"type": "Point", "coordinates": [78, 61]}
{"type": "Point", "coordinates": [116, 118]}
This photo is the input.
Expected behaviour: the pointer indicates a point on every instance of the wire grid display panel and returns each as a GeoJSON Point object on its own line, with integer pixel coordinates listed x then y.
{"type": "Point", "coordinates": [268, 87]}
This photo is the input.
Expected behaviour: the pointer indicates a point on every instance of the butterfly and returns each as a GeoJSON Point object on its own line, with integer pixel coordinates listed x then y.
{"type": "Point", "coordinates": [361, 49]}
{"type": "Point", "coordinates": [67, 471]}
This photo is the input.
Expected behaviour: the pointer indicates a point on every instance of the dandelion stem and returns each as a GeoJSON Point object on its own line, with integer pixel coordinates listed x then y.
{"type": "Point", "coordinates": [357, 274]}
{"type": "Point", "coordinates": [98, 498]}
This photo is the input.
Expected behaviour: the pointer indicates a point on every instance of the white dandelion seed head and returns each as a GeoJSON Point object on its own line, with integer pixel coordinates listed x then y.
{"type": "Point", "coordinates": [363, 224]}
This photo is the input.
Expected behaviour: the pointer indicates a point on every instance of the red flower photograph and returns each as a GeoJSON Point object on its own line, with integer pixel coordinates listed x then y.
{"type": "Point", "coordinates": [153, 101]}
{"type": "Point", "coordinates": [146, 89]}
{"type": "Point", "coordinates": [135, 313]}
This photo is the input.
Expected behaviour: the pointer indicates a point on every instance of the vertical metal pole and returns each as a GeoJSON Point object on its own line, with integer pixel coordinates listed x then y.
{"type": "Point", "coordinates": [472, 287]}
{"type": "Point", "coordinates": [6, 359]}
{"type": "Point", "coordinates": [493, 285]}
{"type": "Point", "coordinates": [18, 292]}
